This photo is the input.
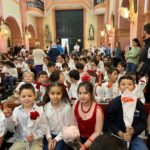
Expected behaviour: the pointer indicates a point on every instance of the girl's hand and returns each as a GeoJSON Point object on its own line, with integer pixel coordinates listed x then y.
{"type": "Point", "coordinates": [82, 147]}
{"type": "Point", "coordinates": [30, 138]}
{"type": "Point", "coordinates": [52, 144]}
{"type": "Point", "coordinates": [7, 112]}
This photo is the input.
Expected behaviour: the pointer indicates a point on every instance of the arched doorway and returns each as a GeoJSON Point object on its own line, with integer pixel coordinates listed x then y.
{"type": "Point", "coordinates": [15, 30]}
{"type": "Point", "coordinates": [33, 36]}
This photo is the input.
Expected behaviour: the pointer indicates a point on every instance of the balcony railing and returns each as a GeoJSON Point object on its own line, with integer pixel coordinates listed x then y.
{"type": "Point", "coordinates": [97, 2]}
{"type": "Point", "coordinates": [35, 4]}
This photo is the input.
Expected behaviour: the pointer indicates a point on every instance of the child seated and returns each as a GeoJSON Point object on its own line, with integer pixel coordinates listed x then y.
{"type": "Point", "coordinates": [115, 117]}
{"type": "Point", "coordinates": [2, 127]}
{"type": "Point", "coordinates": [28, 119]}
{"type": "Point", "coordinates": [42, 84]}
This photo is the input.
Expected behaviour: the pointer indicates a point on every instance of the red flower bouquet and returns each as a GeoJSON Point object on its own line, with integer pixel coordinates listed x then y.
{"type": "Point", "coordinates": [85, 77]}
{"type": "Point", "coordinates": [34, 115]}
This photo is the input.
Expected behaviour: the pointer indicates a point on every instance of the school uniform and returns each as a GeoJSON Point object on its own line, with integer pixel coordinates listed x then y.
{"type": "Point", "coordinates": [25, 126]}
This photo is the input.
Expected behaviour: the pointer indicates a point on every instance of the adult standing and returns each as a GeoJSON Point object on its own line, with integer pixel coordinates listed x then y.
{"type": "Point", "coordinates": [38, 56]}
{"type": "Point", "coordinates": [145, 60]}
{"type": "Point", "coordinates": [53, 52]}
{"type": "Point", "coordinates": [132, 56]}
{"type": "Point", "coordinates": [117, 54]}
{"type": "Point", "coordinates": [76, 49]}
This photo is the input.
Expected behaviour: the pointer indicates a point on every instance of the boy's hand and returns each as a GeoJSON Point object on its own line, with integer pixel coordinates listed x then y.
{"type": "Point", "coordinates": [127, 136]}
{"type": "Point", "coordinates": [7, 112]}
{"type": "Point", "coordinates": [52, 144]}
{"type": "Point", "coordinates": [130, 130]}
{"type": "Point", "coordinates": [30, 138]}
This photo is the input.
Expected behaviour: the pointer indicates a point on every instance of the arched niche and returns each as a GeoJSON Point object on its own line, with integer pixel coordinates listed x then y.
{"type": "Point", "coordinates": [15, 30]}
{"type": "Point", "coordinates": [32, 40]}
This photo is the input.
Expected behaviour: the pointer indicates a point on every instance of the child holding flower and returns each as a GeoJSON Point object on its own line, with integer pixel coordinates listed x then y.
{"type": "Point", "coordinates": [117, 119]}
{"type": "Point", "coordinates": [29, 120]}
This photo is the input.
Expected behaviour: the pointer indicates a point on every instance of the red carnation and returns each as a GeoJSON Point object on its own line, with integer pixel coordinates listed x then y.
{"type": "Point", "coordinates": [85, 77]}
{"type": "Point", "coordinates": [34, 115]}
{"type": "Point", "coordinates": [109, 85]}
{"type": "Point", "coordinates": [91, 72]}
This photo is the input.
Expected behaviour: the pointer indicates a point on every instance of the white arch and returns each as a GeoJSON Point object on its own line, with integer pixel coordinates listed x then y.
{"type": "Point", "coordinates": [33, 28]}
{"type": "Point", "coordinates": [10, 15]}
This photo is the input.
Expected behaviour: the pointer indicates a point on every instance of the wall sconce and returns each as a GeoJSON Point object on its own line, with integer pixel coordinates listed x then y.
{"type": "Point", "coordinates": [102, 33]}
{"type": "Point", "coordinates": [124, 12]}
{"type": "Point", "coordinates": [107, 30]}
{"type": "Point", "coordinates": [27, 34]}
{"type": "Point", "coordinates": [3, 29]}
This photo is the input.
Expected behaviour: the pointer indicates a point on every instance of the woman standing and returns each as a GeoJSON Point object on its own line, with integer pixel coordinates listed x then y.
{"type": "Point", "coordinates": [132, 56]}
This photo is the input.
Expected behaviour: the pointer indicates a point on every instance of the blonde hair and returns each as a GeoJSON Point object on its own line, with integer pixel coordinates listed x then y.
{"type": "Point", "coordinates": [37, 44]}
{"type": "Point", "coordinates": [28, 72]}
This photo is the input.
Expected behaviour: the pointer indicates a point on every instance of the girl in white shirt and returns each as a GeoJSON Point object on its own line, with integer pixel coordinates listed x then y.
{"type": "Point", "coordinates": [59, 114]}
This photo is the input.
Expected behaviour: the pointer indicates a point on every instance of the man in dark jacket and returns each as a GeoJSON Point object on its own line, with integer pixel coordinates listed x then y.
{"type": "Point", "coordinates": [145, 60]}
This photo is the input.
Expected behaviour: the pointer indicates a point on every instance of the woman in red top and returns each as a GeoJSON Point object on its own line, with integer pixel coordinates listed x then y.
{"type": "Point", "coordinates": [88, 114]}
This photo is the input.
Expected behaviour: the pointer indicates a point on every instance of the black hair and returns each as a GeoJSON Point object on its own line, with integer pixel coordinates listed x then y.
{"type": "Point", "coordinates": [42, 73]}
{"type": "Point", "coordinates": [74, 74]}
{"type": "Point", "coordinates": [65, 96]}
{"type": "Point", "coordinates": [122, 64]}
{"type": "Point", "coordinates": [27, 86]}
{"type": "Point", "coordinates": [80, 66]}
{"type": "Point", "coordinates": [107, 64]}
{"type": "Point", "coordinates": [65, 65]}
{"type": "Point", "coordinates": [95, 61]}
{"type": "Point", "coordinates": [137, 41]}
{"type": "Point", "coordinates": [10, 64]}
{"type": "Point", "coordinates": [54, 77]}
{"type": "Point", "coordinates": [108, 142]}
{"type": "Point", "coordinates": [147, 28]}
{"type": "Point", "coordinates": [112, 69]}
{"type": "Point", "coordinates": [88, 86]}
{"type": "Point", "coordinates": [50, 64]}
{"type": "Point", "coordinates": [84, 59]}
{"type": "Point", "coordinates": [128, 77]}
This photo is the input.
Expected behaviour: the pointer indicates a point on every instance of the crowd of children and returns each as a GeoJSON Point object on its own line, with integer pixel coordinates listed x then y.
{"type": "Point", "coordinates": [70, 91]}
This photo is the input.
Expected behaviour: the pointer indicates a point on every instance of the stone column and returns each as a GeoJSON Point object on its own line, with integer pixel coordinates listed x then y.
{"type": "Point", "coordinates": [136, 26]}
{"type": "Point", "coordinates": [23, 13]}
{"type": "Point", "coordinates": [40, 30]}
{"type": "Point", "coordinates": [100, 27]}
{"type": "Point", "coordinates": [107, 21]}
{"type": "Point", "coordinates": [147, 11]}
{"type": "Point", "coordinates": [116, 14]}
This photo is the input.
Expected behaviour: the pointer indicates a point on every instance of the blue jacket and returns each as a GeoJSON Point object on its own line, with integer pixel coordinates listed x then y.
{"type": "Point", "coordinates": [115, 117]}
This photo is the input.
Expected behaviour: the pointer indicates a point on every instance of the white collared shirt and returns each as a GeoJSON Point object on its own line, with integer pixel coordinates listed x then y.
{"type": "Point", "coordinates": [57, 119]}
{"type": "Point", "coordinates": [25, 126]}
{"type": "Point", "coordinates": [73, 90]}
{"type": "Point", "coordinates": [2, 123]}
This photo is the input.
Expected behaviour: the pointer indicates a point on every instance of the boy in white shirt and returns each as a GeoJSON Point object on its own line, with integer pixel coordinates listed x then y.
{"type": "Point", "coordinates": [29, 120]}
{"type": "Point", "coordinates": [75, 80]}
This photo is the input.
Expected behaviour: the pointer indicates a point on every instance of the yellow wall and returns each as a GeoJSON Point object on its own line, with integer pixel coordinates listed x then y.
{"type": "Point", "coordinates": [49, 21]}
{"type": "Point", "coordinates": [90, 19]}
{"type": "Point", "coordinates": [11, 8]}
{"type": "Point", "coordinates": [31, 20]}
